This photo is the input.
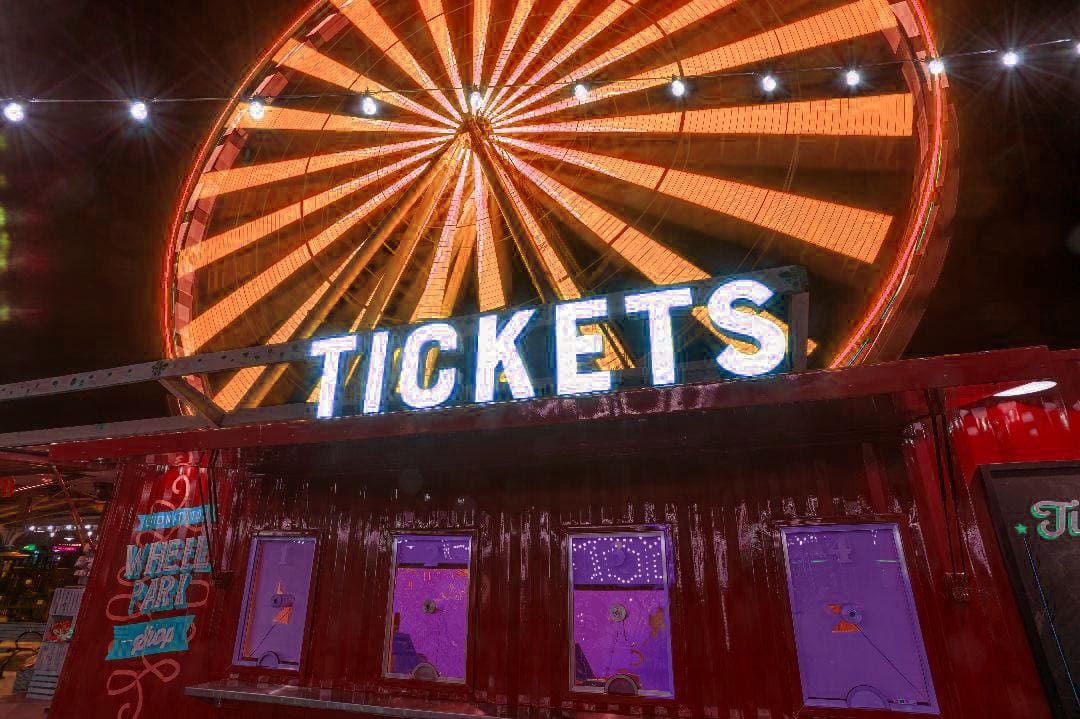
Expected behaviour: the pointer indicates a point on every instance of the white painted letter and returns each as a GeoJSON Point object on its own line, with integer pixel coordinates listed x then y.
{"type": "Point", "coordinates": [330, 350]}
{"type": "Point", "coordinates": [658, 305]}
{"type": "Point", "coordinates": [570, 344]}
{"type": "Point", "coordinates": [412, 392]}
{"type": "Point", "coordinates": [769, 337]}
{"type": "Point", "coordinates": [494, 348]}
{"type": "Point", "coordinates": [376, 373]}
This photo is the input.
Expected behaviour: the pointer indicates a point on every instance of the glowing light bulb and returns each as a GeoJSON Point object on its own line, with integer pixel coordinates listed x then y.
{"type": "Point", "coordinates": [139, 111]}
{"type": "Point", "coordinates": [581, 93]}
{"type": "Point", "coordinates": [368, 106]}
{"type": "Point", "coordinates": [769, 83]}
{"type": "Point", "coordinates": [678, 87]}
{"type": "Point", "coordinates": [14, 112]}
{"type": "Point", "coordinates": [853, 78]}
{"type": "Point", "coordinates": [936, 66]}
{"type": "Point", "coordinates": [476, 100]}
{"type": "Point", "coordinates": [256, 110]}
{"type": "Point", "coordinates": [1010, 58]}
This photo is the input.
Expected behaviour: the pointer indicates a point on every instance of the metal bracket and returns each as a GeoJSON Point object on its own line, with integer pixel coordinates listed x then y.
{"type": "Point", "coordinates": [183, 391]}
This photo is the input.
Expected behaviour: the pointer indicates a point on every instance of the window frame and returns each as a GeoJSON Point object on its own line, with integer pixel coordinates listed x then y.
{"type": "Point", "coordinates": [650, 697]}
{"type": "Point", "coordinates": [241, 616]}
{"type": "Point", "coordinates": [470, 611]}
{"type": "Point", "coordinates": [925, 614]}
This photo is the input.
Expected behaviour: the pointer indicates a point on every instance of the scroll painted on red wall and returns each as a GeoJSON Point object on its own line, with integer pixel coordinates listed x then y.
{"type": "Point", "coordinates": [162, 578]}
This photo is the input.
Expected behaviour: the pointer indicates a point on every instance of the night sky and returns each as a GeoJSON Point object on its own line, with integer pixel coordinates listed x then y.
{"type": "Point", "coordinates": [88, 195]}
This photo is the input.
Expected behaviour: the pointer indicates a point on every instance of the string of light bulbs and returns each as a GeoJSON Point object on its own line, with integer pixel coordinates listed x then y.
{"type": "Point", "coordinates": [15, 108]}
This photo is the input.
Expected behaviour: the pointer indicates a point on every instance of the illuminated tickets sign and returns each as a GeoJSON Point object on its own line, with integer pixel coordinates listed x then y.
{"type": "Point", "coordinates": [724, 328]}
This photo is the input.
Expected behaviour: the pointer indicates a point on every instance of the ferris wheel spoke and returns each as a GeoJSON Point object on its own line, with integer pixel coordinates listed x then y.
{"type": "Point", "coordinates": [374, 294]}
{"type": "Point", "coordinates": [607, 18]}
{"type": "Point", "coordinates": [644, 254]}
{"type": "Point", "coordinates": [236, 389]}
{"type": "Point", "coordinates": [458, 217]}
{"type": "Point", "coordinates": [480, 21]}
{"type": "Point", "coordinates": [847, 22]}
{"type": "Point", "coordinates": [565, 286]}
{"type": "Point", "coordinates": [675, 21]}
{"type": "Point", "coordinates": [373, 312]}
{"type": "Point", "coordinates": [491, 294]}
{"type": "Point", "coordinates": [521, 13]}
{"type": "Point", "coordinates": [535, 242]}
{"type": "Point", "coordinates": [204, 327]}
{"type": "Point", "coordinates": [564, 9]}
{"type": "Point", "coordinates": [367, 20]}
{"type": "Point", "coordinates": [236, 238]}
{"type": "Point", "coordinates": [849, 231]}
{"type": "Point", "coordinates": [861, 116]}
{"type": "Point", "coordinates": [222, 182]}
{"type": "Point", "coordinates": [304, 58]}
{"type": "Point", "coordinates": [464, 248]}
{"type": "Point", "coordinates": [276, 118]}
{"type": "Point", "coordinates": [434, 12]}
{"type": "Point", "coordinates": [436, 301]}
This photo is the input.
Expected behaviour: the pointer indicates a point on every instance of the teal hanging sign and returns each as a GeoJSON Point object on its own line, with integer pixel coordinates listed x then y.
{"type": "Point", "coordinates": [184, 516]}
{"type": "Point", "coordinates": [154, 637]}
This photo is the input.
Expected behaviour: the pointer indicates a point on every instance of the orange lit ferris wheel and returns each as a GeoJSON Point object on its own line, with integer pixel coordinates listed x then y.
{"type": "Point", "coordinates": [390, 162]}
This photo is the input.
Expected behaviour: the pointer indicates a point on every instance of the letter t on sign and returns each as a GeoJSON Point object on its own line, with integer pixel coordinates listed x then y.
{"type": "Point", "coordinates": [330, 350]}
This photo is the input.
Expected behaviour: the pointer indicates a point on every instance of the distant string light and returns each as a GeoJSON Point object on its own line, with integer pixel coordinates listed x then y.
{"type": "Point", "coordinates": [14, 111]}
{"type": "Point", "coordinates": [138, 110]}
{"type": "Point", "coordinates": [256, 110]}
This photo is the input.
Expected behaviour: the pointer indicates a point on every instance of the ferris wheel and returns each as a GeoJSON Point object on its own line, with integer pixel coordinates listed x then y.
{"type": "Point", "coordinates": [392, 162]}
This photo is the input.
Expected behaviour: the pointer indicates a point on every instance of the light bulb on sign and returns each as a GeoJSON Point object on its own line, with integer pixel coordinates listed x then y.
{"type": "Point", "coordinates": [581, 92]}
{"type": "Point", "coordinates": [852, 78]}
{"type": "Point", "coordinates": [368, 106]}
{"type": "Point", "coordinates": [1010, 58]}
{"type": "Point", "coordinates": [936, 66]}
{"type": "Point", "coordinates": [769, 84]}
{"type": "Point", "coordinates": [678, 87]}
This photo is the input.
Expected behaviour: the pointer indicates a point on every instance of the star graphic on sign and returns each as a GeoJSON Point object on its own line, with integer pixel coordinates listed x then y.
{"type": "Point", "coordinates": [1021, 529]}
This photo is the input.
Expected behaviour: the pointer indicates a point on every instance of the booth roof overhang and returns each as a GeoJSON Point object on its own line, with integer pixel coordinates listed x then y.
{"type": "Point", "coordinates": [804, 407]}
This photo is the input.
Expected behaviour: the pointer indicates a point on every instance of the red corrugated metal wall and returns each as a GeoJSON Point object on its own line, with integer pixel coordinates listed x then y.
{"type": "Point", "coordinates": [732, 639]}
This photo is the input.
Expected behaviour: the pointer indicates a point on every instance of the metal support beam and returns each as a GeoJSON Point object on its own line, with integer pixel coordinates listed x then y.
{"type": "Point", "coordinates": [183, 391]}
{"type": "Point", "coordinates": [83, 537]}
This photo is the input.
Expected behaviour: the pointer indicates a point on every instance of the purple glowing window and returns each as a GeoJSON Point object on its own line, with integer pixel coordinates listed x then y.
{"type": "Point", "coordinates": [856, 629]}
{"type": "Point", "coordinates": [272, 630]}
{"type": "Point", "coordinates": [621, 627]}
{"type": "Point", "coordinates": [428, 630]}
